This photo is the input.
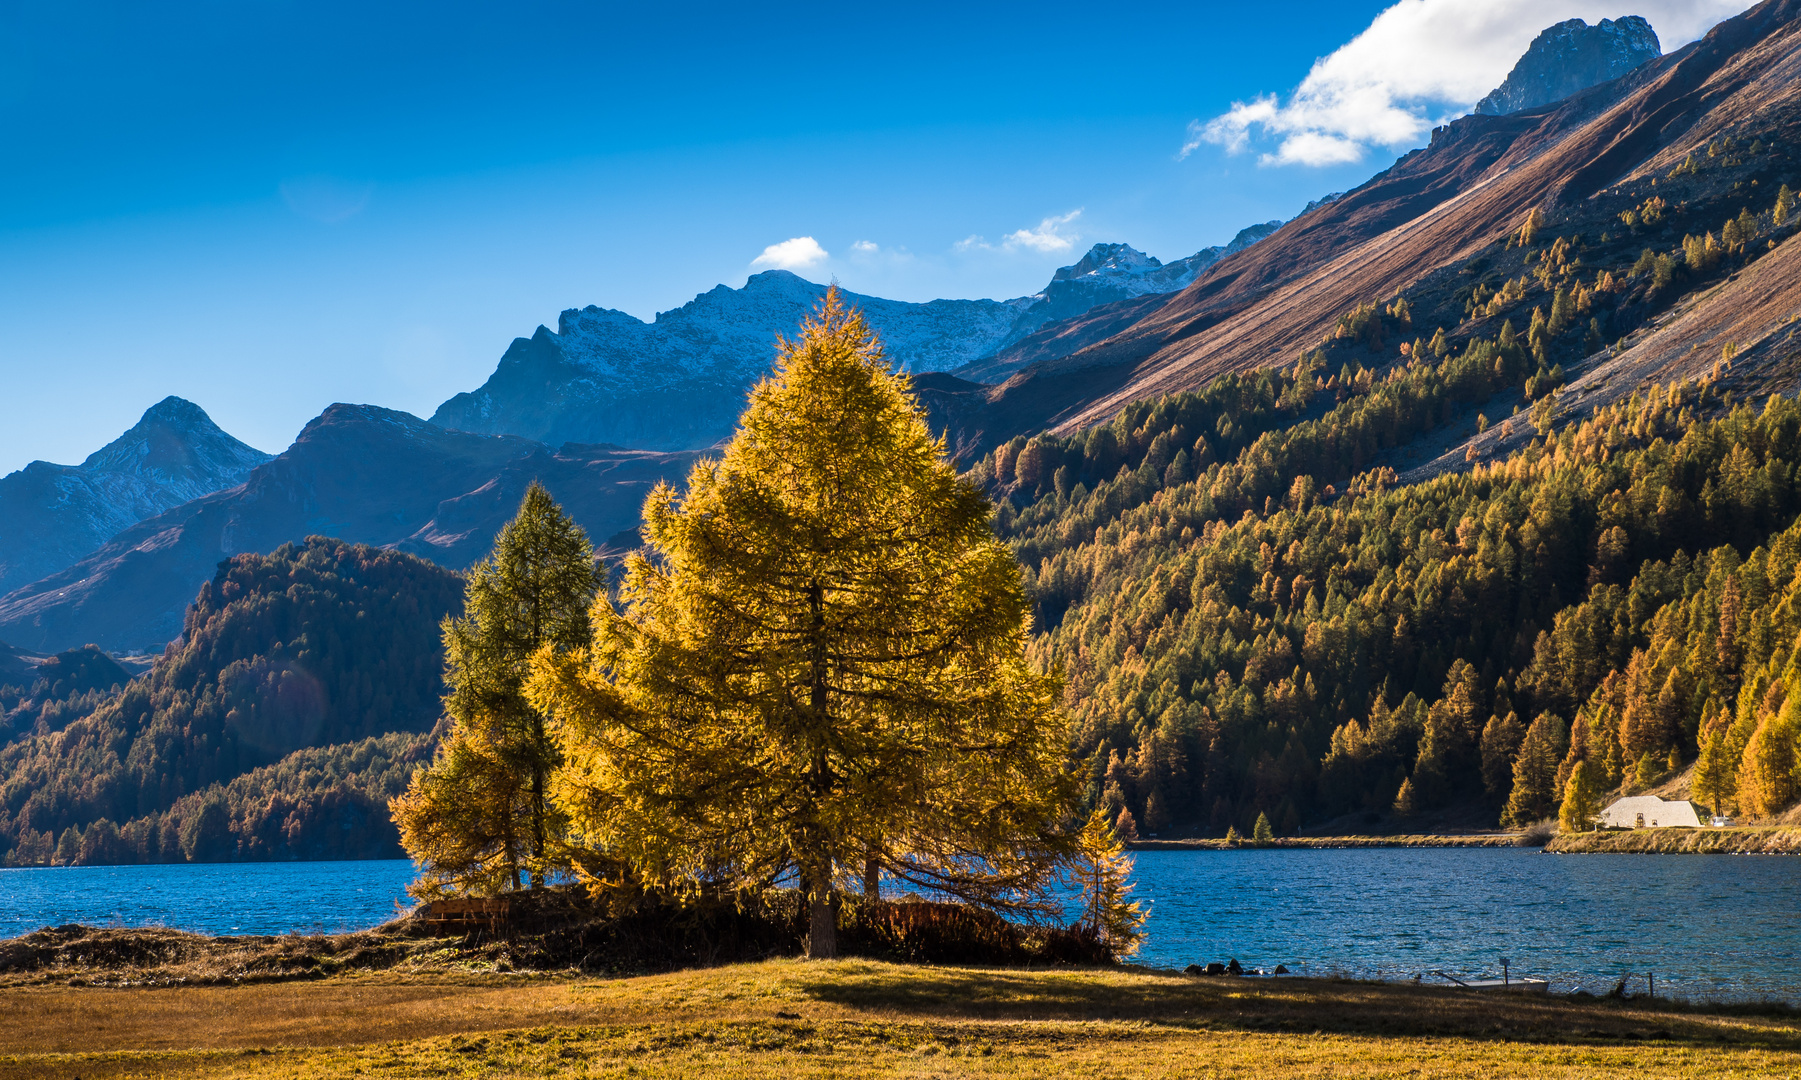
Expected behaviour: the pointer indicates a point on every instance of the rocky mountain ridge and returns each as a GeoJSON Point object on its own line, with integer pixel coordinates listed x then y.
{"type": "Point", "coordinates": [52, 515]}
{"type": "Point", "coordinates": [678, 382]}
{"type": "Point", "coordinates": [358, 473]}
{"type": "Point", "coordinates": [1673, 148]}
{"type": "Point", "coordinates": [1570, 57]}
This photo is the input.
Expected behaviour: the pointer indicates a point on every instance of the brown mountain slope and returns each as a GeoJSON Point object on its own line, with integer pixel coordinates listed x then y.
{"type": "Point", "coordinates": [1434, 209]}
{"type": "Point", "coordinates": [358, 473]}
{"type": "Point", "coordinates": [1756, 311]}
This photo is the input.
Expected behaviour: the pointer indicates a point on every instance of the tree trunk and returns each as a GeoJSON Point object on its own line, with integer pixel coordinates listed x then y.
{"type": "Point", "coordinates": [822, 926]}
{"type": "Point", "coordinates": [872, 878]}
{"type": "Point", "coordinates": [538, 826]}
{"type": "Point", "coordinates": [508, 837]}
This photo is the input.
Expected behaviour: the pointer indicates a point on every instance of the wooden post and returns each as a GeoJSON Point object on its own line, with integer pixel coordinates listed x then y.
{"type": "Point", "coordinates": [1651, 976]}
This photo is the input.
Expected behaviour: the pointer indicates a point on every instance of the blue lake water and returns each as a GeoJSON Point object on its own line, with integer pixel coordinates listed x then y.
{"type": "Point", "coordinates": [213, 898]}
{"type": "Point", "coordinates": [1710, 926]}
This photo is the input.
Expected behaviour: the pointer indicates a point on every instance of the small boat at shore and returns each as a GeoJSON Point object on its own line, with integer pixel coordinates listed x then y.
{"type": "Point", "coordinates": [1524, 985]}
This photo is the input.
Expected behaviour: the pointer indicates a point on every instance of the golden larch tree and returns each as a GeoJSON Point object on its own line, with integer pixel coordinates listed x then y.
{"type": "Point", "coordinates": [1767, 772]}
{"type": "Point", "coordinates": [815, 671]}
{"type": "Point", "coordinates": [1104, 872]}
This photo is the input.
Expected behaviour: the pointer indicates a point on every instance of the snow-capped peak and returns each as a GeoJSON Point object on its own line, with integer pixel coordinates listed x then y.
{"type": "Point", "coordinates": [1108, 260]}
{"type": "Point", "coordinates": [678, 382]}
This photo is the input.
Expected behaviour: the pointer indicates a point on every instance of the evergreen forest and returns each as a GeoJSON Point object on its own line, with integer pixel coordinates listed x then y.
{"type": "Point", "coordinates": [298, 701]}
{"type": "Point", "coordinates": [1254, 619]}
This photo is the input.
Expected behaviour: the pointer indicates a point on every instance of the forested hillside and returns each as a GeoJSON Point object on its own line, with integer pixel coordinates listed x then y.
{"type": "Point", "coordinates": [64, 688]}
{"type": "Point", "coordinates": [292, 708]}
{"type": "Point", "coordinates": [1242, 637]}
{"type": "Point", "coordinates": [1258, 614]}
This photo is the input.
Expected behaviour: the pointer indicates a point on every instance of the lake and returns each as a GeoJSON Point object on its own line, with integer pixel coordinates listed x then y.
{"type": "Point", "coordinates": [1709, 926]}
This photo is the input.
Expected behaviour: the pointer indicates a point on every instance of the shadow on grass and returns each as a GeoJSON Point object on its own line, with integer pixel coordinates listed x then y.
{"type": "Point", "coordinates": [1297, 1005]}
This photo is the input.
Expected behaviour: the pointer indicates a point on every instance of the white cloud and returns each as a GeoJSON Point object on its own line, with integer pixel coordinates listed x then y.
{"type": "Point", "coordinates": [1051, 236]}
{"type": "Point", "coordinates": [1420, 63]}
{"type": "Point", "coordinates": [865, 247]}
{"type": "Point", "coordinates": [1315, 148]}
{"type": "Point", "coordinates": [1048, 237]}
{"type": "Point", "coordinates": [796, 254]}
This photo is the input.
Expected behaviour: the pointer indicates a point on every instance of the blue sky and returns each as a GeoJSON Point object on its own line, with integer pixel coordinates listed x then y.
{"type": "Point", "coordinates": [266, 206]}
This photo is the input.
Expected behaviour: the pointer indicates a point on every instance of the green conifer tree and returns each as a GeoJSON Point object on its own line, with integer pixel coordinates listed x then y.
{"type": "Point", "coordinates": [1715, 781]}
{"type": "Point", "coordinates": [1747, 227]}
{"type": "Point", "coordinates": [1563, 309]}
{"type": "Point", "coordinates": [480, 817]}
{"type": "Point", "coordinates": [1534, 796]}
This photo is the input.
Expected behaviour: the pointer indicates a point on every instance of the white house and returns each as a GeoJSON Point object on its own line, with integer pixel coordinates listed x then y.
{"type": "Point", "coordinates": [1650, 812]}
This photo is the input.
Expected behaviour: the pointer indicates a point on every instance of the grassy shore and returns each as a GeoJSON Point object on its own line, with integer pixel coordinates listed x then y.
{"type": "Point", "coordinates": [857, 1018]}
{"type": "Point", "coordinates": [1739, 840]}
{"type": "Point", "coordinates": [1480, 840]}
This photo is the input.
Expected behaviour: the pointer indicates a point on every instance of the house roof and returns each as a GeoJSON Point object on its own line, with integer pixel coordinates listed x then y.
{"type": "Point", "coordinates": [1655, 811]}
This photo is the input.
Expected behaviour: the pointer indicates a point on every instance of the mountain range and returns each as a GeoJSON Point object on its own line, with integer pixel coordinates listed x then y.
{"type": "Point", "coordinates": [143, 522]}
{"type": "Point", "coordinates": [132, 540]}
{"type": "Point", "coordinates": [357, 473]}
{"type": "Point", "coordinates": [55, 514]}
{"type": "Point", "coordinates": [1436, 226]}
{"type": "Point", "coordinates": [678, 382]}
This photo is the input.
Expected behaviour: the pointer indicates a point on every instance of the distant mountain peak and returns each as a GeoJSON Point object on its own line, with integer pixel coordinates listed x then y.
{"type": "Point", "coordinates": [51, 515]}
{"type": "Point", "coordinates": [340, 412]}
{"type": "Point", "coordinates": [1109, 258]}
{"type": "Point", "coordinates": [1569, 57]}
{"type": "Point", "coordinates": [1250, 234]}
{"type": "Point", "coordinates": [782, 280]}
{"type": "Point", "coordinates": [175, 437]}
{"type": "Point", "coordinates": [678, 382]}
{"type": "Point", "coordinates": [177, 410]}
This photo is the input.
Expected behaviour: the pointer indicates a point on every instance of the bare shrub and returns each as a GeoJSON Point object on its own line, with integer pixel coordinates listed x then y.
{"type": "Point", "coordinates": [1539, 833]}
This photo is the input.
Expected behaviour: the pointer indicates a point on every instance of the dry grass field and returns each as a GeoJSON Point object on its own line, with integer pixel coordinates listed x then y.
{"type": "Point", "coordinates": [857, 1018]}
{"type": "Point", "coordinates": [1736, 840]}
